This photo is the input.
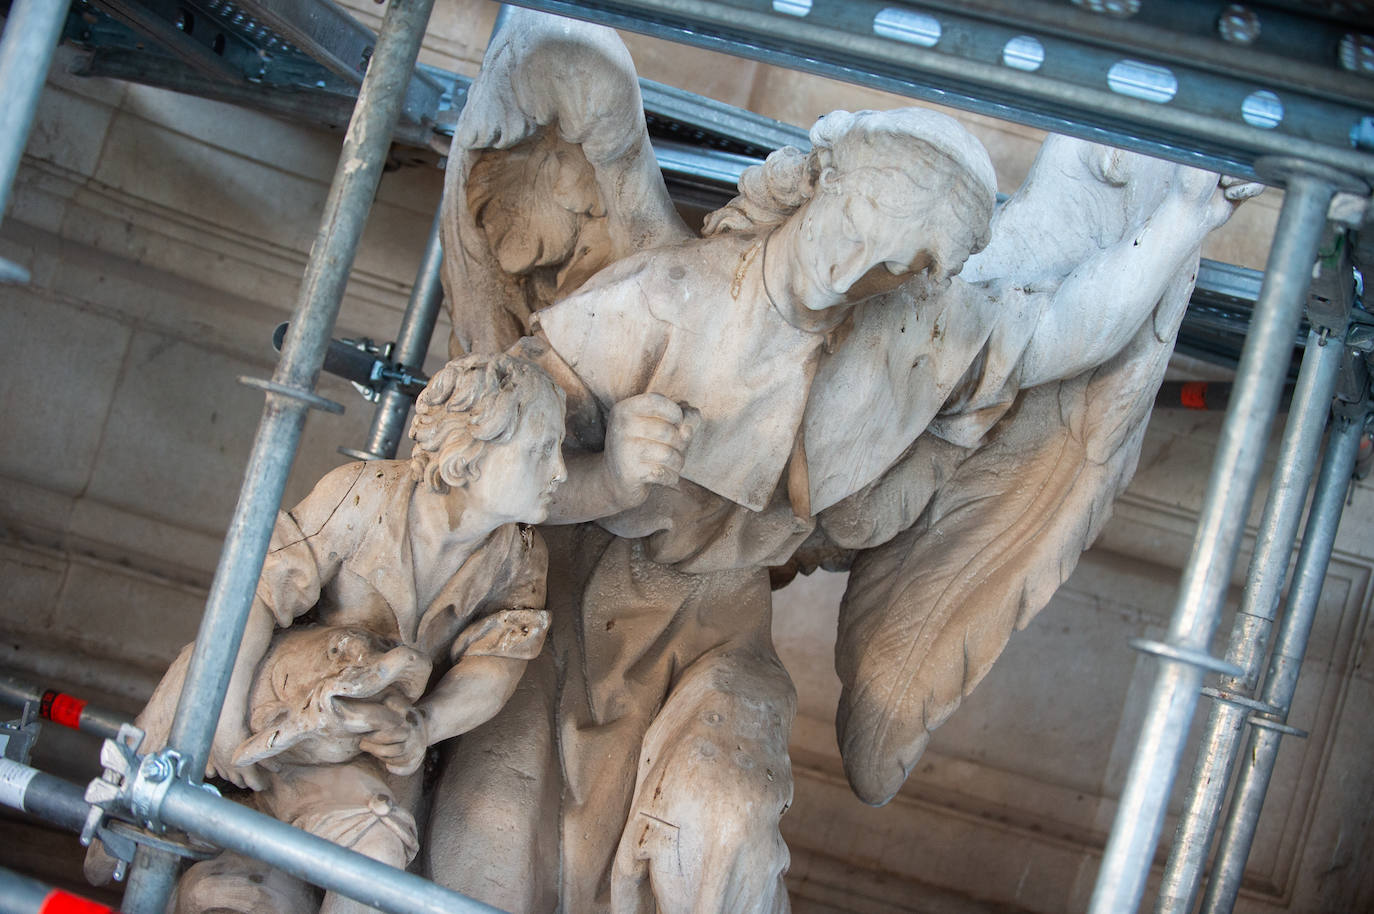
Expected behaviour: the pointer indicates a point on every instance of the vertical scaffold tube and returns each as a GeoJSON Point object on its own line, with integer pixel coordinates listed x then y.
{"type": "Point", "coordinates": [350, 197]}
{"type": "Point", "coordinates": [412, 342]}
{"type": "Point", "coordinates": [1240, 451]}
{"type": "Point", "coordinates": [417, 328]}
{"type": "Point", "coordinates": [31, 32]}
{"type": "Point", "coordinates": [1261, 749]}
{"type": "Point", "coordinates": [1278, 531]}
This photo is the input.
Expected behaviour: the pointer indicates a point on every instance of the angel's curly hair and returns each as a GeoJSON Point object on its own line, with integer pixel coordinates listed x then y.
{"type": "Point", "coordinates": [471, 402]}
{"type": "Point", "coordinates": [915, 146]}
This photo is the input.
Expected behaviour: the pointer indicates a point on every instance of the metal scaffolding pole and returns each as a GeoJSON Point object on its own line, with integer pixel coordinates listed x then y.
{"type": "Point", "coordinates": [412, 343]}
{"type": "Point", "coordinates": [39, 794]}
{"type": "Point", "coordinates": [26, 50]}
{"type": "Point", "coordinates": [62, 708]}
{"type": "Point", "coordinates": [22, 895]}
{"type": "Point", "coordinates": [1278, 531]}
{"type": "Point", "coordinates": [289, 395]}
{"type": "Point", "coordinates": [1281, 682]}
{"type": "Point", "coordinates": [234, 827]}
{"type": "Point", "coordinates": [254, 834]}
{"type": "Point", "coordinates": [1240, 451]}
{"type": "Point", "coordinates": [417, 329]}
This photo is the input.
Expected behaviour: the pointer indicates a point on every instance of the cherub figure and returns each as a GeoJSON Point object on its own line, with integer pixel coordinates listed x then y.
{"type": "Point", "coordinates": [424, 587]}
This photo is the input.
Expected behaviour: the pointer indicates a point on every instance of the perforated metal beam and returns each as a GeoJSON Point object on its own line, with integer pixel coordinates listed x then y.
{"type": "Point", "coordinates": [1165, 81]}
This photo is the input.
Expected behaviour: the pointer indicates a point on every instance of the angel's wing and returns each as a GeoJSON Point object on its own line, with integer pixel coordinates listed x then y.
{"type": "Point", "coordinates": [926, 614]}
{"type": "Point", "coordinates": [550, 177]}
{"type": "Point", "coordinates": [1094, 258]}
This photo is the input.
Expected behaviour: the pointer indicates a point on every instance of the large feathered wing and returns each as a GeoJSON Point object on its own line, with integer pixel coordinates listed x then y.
{"type": "Point", "coordinates": [927, 613]}
{"type": "Point", "coordinates": [550, 177]}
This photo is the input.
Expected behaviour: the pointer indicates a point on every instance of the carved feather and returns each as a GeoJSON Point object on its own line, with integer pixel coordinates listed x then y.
{"type": "Point", "coordinates": [926, 614]}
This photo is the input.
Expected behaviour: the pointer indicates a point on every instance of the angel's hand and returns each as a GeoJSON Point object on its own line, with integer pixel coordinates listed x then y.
{"type": "Point", "coordinates": [1216, 199]}
{"type": "Point", "coordinates": [492, 119]}
{"type": "Point", "coordinates": [646, 444]}
{"type": "Point", "coordinates": [1238, 190]}
{"type": "Point", "coordinates": [399, 735]}
{"type": "Point", "coordinates": [492, 116]}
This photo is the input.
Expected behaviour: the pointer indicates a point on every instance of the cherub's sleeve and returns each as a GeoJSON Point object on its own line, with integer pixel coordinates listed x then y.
{"type": "Point", "coordinates": [521, 571]}
{"type": "Point", "coordinates": [506, 573]}
{"type": "Point", "coordinates": [307, 547]}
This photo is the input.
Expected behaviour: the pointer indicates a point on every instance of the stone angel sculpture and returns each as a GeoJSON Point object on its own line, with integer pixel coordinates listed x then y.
{"type": "Point", "coordinates": [886, 373]}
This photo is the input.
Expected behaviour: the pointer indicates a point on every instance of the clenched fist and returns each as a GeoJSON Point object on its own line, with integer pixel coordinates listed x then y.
{"type": "Point", "coordinates": [646, 444]}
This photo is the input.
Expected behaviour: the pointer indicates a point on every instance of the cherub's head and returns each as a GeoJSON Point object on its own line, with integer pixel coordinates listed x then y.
{"type": "Point", "coordinates": [896, 192]}
{"type": "Point", "coordinates": [491, 425]}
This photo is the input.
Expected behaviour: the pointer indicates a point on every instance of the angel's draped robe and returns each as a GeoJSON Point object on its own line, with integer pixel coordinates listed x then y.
{"type": "Point", "coordinates": [827, 398]}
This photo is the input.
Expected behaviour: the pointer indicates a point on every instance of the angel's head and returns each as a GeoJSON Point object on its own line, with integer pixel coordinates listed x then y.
{"type": "Point", "coordinates": [492, 426]}
{"type": "Point", "coordinates": [895, 193]}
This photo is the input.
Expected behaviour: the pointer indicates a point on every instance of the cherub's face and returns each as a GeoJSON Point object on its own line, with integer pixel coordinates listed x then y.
{"type": "Point", "coordinates": [517, 478]}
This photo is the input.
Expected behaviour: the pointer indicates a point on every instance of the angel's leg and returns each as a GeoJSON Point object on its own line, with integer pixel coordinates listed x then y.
{"type": "Point", "coordinates": [493, 825]}
{"type": "Point", "coordinates": [714, 779]}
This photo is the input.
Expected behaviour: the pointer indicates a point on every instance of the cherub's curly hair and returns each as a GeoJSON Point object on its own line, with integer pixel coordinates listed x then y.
{"type": "Point", "coordinates": [470, 402]}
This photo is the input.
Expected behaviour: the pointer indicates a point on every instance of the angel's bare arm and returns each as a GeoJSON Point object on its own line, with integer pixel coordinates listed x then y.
{"type": "Point", "coordinates": [1099, 307]}
{"type": "Point", "coordinates": [646, 443]}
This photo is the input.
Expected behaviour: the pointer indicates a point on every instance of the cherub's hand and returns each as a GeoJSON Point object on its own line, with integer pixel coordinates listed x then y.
{"type": "Point", "coordinates": [229, 735]}
{"type": "Point", "coordinates": [646, 444]}
{"type": "Point", "coordinates": [398, 736]}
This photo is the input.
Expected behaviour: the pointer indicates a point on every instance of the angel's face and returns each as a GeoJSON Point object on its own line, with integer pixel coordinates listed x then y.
{"type": "Point", "coordinates": [863, 237]}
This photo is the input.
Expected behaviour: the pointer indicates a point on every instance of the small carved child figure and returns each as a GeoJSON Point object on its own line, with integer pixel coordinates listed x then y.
{"type": "Point", "coordinates": [410, 568]}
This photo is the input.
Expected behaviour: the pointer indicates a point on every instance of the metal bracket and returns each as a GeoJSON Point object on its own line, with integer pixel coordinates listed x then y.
{"type": "Point", "coordinates": [18, 736]}
{"type": "Point", "coordinates": [1259, 720]}
{"type": "Point", "coordinates": [365, 364]}
{"type": "Point", "coordinates": [1239, 700]}
{"type": "Point", "coordinates": [122, 839]}
{"type": "Point", "coordinates": [118, 758]}
{"type": "Point", "coordinates": [134, 786]}
{"type": "Point", "coordinates": [145, 791]}
{"type": "Point", "coordinates": [1332, 293]}
{"type": "Point", "coordinates": [1187, 655]}
{"type": "Point", "coordinates": [311, 399]}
